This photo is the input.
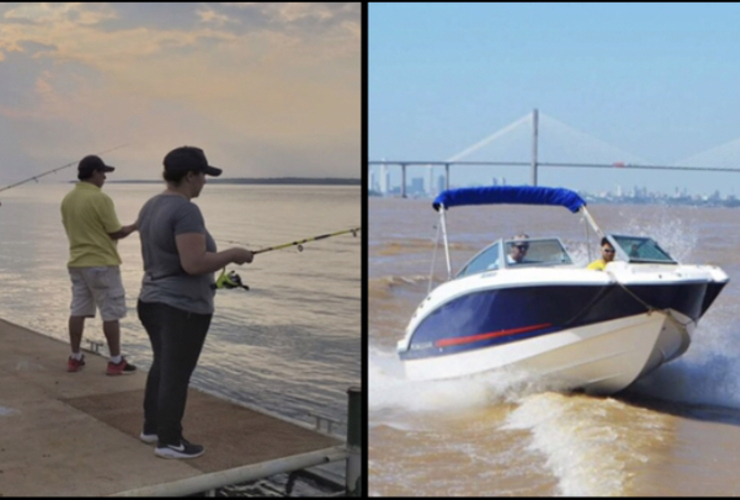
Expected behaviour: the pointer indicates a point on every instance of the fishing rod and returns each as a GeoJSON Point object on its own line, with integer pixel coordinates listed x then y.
{"type": "Point", "coordinates": [233, 280]}
{"type": "Point", "coordinates": [299, 244]}
{"type": "Point", "coordinates": [36, 177]}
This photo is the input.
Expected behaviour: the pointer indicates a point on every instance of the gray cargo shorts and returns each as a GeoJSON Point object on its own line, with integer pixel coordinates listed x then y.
{"type": "Point", "coordinates": [97, 286]}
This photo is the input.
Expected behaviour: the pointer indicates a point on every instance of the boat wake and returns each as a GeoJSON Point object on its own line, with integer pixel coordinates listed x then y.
{"type": "Point", "coordinates": [591, 445]}
{"type": "Point", "coordinates": [391, 394]}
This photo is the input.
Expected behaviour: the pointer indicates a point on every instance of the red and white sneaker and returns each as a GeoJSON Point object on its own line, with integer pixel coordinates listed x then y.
{"type": "Point", "coordinates": [121, 368]}
{"type": "Point", "coordinates": [75, 365]}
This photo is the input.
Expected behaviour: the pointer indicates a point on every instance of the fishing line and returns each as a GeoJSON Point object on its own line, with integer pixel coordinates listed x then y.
{"type": "Point", "coordinates": [36, 177]}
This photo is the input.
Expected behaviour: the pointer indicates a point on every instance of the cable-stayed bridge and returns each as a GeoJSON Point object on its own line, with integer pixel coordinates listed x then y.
{"type": "Point", "coordinates": [509, 144]}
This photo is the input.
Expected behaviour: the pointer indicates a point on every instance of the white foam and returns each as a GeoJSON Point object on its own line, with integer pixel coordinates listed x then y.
{"type": "Point", "coordinates": [390, 390]}
{"type": "Point", "coordinates": [678, 237]}
{"type": "Point", "coordinates": [586, 446]}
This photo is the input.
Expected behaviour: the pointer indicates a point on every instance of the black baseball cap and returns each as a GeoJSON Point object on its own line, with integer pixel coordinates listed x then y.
{"type": "Point", "coordinates": [92, 163]}
{"type": "Point", "coordinates": [188, 158]}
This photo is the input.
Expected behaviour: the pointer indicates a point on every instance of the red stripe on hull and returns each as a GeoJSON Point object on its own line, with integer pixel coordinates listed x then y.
{"type": "Point", "coordinates": [483, 336]}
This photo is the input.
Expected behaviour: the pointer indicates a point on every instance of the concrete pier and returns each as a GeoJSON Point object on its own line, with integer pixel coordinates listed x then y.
{"type": "Point", "coordinates": [76, 434]}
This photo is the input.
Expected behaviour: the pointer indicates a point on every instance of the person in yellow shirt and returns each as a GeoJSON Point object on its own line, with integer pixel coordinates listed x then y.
{"type": "Point", "coordinates": [607, 255]}
{"type": "Point", "coordinates": [92, 227]}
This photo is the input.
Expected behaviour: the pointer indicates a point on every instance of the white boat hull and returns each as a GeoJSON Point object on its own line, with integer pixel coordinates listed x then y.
{"type": "Point", "coordinates": [600, 358]}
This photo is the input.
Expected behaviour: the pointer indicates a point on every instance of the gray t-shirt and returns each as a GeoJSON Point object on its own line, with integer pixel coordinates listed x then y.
{"type": "Point", "coordinates": [161, 219]}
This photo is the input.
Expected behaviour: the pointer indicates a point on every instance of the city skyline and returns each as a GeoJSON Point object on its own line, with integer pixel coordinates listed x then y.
{"type": "Point", "coordinates": [419, 187]}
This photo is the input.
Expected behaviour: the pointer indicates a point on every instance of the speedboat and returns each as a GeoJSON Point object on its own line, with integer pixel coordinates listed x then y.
{"type": "Point", "coordinates": [596, 331]}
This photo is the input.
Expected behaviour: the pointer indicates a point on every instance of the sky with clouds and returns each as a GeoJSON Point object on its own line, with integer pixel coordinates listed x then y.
{"type": "Point", "coordinates": [266, 90]}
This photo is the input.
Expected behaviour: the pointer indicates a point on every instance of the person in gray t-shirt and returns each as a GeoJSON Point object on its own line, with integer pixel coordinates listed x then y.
{"type": "Point", "coordinates": [176, 300]}
{"type": "Point", "coordinates": [163, 218]}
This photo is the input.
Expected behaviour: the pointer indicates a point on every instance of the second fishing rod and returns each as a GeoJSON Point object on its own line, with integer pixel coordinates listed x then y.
{"type": "Point", "coordinates": [54, 170]}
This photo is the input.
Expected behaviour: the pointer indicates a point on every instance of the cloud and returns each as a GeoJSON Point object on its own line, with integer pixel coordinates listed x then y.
{"type": "Point", "coordinates": [57, 13]}
{"type": "Point", "coordinates": [287, 12]}
{"type": "Point", "coordinates": [279, 77]}
{"type": "Point", "coordinates": [294, 11]}
{"type": "Point", "coordinates": [210, 16]}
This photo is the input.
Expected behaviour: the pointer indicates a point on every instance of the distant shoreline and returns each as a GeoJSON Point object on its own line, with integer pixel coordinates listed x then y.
{"type": "Point", "coordinates": [326, 181]}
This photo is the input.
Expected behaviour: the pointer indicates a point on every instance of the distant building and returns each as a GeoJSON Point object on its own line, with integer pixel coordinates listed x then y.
{"type": "Point", "coordinates": [385, 178]}
{"type": "Point", "coordinates": [441, 184]}
{"type": "Point", "coordinates": [430, 182]}
{"type": "Point", "coordinates": [417, 186]}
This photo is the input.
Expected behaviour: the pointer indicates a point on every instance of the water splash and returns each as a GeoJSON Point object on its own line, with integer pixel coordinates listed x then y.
{"type": "Point", "coordinates": [391, 393]}
{"type": "Point", "coordinates": [707, 374]}
{"type": "Point", "coordinates": [590, 444]}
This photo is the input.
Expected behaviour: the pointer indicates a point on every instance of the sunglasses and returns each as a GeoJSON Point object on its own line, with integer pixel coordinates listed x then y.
{"type": "Point", "coordinates": [522, 247]}
{"type": "Point", "coordinates": [607, 250]}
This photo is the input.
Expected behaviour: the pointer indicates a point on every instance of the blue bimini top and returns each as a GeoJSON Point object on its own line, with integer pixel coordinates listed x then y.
{"type": "Point", "coordinates": [521, 195]}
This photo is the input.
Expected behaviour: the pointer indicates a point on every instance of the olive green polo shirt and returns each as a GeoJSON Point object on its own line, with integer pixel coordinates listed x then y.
{"type": "Point", "coordinates": [88, 216]}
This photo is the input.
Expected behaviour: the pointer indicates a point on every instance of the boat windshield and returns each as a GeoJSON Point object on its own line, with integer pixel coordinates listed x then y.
{"type": "Point", "coordinates": [486, 260]}
{"type": "Point", "coordinates": [540, 252]}
{"type": "Point", "coordinates": [642, 249]}
{"type": "Point", "coordinates": [533, 252]}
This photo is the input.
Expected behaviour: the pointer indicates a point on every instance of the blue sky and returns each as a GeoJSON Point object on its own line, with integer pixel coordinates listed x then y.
{"type": "Point", "coordinates": [639, 83]}
{"type": "Point", "coordinates": [266, 90]}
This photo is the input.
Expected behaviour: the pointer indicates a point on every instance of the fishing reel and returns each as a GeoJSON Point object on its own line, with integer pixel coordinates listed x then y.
{"type": "Point", "coordinates": [230, 280]}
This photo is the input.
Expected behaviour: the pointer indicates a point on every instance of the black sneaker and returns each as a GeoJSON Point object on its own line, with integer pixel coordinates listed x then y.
{"type": "Point", "coordinates": [183, 449]}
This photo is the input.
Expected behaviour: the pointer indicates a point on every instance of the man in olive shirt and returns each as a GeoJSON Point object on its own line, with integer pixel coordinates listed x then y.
{"type": "Point", "coordinates": [93, 229]}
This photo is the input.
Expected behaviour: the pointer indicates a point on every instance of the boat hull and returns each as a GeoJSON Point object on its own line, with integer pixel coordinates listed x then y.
{"type": "Point", "coordinates": [601, 359]}
{"type": "Point", "coordinates": [599, 335]}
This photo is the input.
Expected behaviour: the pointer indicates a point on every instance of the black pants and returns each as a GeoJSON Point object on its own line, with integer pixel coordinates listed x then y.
{"type": "Point", "coordinates": [177, 338]}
